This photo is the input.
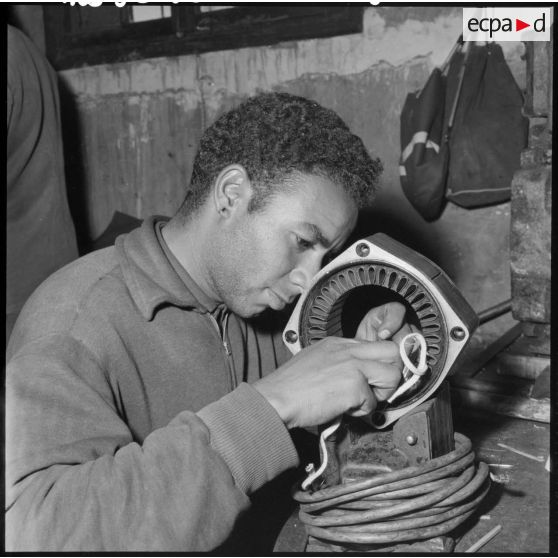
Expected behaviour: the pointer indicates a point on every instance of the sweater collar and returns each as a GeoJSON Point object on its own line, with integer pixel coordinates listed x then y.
{"type": "Point", "coordinates": [153, 278]}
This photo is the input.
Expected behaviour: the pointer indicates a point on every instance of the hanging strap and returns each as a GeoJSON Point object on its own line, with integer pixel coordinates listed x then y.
{"type": "Point", "coordinates": [457, 47]}
{"type": "Point", "coordinates": [458, 92]}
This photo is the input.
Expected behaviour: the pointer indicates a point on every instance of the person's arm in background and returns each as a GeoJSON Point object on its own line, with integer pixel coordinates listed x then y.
{"type": "Point", "coordinates": [40, 234]}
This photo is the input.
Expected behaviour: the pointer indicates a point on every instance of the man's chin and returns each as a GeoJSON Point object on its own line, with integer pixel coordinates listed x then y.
{"type": "Point", "coordinates": [252, 311]}
{"type": "Point", "coordinates": [262, 313]}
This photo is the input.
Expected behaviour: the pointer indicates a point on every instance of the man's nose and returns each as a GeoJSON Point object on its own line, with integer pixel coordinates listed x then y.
{"type": "Point", "coordinates": [301, 276]}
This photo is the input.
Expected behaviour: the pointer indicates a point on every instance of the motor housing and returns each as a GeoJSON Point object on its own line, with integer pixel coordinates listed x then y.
{"type": "Point", "coordinates": [371, 272]}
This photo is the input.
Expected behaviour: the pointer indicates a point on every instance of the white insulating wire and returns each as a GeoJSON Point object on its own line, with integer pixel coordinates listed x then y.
{"type": "Point", "coordinates": [418, 370]}
{"type": "Point", "coordinates": [313, 475]}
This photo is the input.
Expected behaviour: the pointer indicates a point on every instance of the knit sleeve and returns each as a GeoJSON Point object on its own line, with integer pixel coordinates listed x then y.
{"type": "Point", "coordinates": [77, 479]}
{"type": "Point", "coordinates": [249, 434]}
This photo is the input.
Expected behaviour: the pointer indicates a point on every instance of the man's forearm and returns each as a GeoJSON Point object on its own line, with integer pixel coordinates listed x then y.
{"type": "Point", "coordinates": [76, 480]}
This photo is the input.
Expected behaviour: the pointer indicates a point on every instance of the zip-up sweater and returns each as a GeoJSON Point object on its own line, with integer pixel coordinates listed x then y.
{"type": "Point", "coordinates": [131, 424]}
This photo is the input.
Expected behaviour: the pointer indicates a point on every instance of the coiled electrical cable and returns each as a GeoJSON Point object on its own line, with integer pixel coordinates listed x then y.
{"type": "Point", "coordinates": [415, 503]}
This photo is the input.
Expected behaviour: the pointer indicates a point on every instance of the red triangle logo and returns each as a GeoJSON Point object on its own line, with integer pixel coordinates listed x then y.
{"type": "Point", "coordinates": [519, 25]}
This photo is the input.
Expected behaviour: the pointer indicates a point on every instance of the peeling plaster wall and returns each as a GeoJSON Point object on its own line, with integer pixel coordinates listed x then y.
{"type": "Point", "coordinates": [138, 124]}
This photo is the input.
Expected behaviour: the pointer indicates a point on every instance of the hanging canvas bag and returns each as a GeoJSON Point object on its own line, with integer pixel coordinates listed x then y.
{"type": "Point", "coordinates": [489, 131]}
{"type": "Point", "coordinates": [463, 133]}
{"type": "Point", "coordinates": [425, 126]}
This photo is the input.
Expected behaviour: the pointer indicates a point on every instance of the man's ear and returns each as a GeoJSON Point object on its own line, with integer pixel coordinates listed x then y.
{"type": "Point", "coordinates": [232, 190]}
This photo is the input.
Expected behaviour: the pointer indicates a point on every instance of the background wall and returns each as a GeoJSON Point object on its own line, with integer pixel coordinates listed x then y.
{"type": "Point", "coordinates": [132, 129]}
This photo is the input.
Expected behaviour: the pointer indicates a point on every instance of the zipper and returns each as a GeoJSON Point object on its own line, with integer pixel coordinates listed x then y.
{"type": "Point", "coordinates": [226, 347]}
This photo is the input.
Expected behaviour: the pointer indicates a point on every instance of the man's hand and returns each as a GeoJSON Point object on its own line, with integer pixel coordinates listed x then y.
{"type": "Point", "coordinates": [332, 377]}
{"type": "Point", "coordinates": [384, 322]}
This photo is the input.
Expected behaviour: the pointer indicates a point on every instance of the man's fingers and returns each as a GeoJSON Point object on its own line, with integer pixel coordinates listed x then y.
{"type": "Point", "coordinates": [386, 351]}
{"type": "Point", "coordinates": [365, 409]}
{"type": "Point", "coordinates": [368, 327]}
{"type": "Point", "coordinates": [380, 375]}
{"type": "Point", "coordinates": [366, 331]}
{"type": "Point", "coordinates": [383, 379]}
{"type": "Point", "coordinates": [393, 316]}
{"type": "Point", "coordinates": [383, 393]}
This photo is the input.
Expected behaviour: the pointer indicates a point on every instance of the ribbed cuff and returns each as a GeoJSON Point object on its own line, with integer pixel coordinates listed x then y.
{"type": "Point", "coordinates": [250, 436]}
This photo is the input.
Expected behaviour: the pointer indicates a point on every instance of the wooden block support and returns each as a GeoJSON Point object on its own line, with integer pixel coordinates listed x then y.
{"type": "Point", "coordinates": [427, 431]}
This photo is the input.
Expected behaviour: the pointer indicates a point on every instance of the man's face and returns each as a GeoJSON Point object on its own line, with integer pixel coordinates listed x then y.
{"type": "Point", "coordinates": [266, 258]}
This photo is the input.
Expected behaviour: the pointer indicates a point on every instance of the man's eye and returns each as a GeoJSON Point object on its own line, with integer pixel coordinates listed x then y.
{"type": "Point", "coordinates": [303, 243]}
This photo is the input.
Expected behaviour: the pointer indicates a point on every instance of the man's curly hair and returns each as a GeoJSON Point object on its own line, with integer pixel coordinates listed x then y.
{"type": "Point", "coordinates": [274, 136]}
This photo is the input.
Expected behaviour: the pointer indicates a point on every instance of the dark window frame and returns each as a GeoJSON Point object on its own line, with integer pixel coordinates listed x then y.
{"type": "Point", "coordinates": [190, 31]}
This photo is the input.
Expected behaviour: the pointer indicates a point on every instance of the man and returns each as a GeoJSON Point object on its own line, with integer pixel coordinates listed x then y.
{"type": "Point", "coordinates": [145, 404]}
{"type": "Point", "coordinates": [40, 233]}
